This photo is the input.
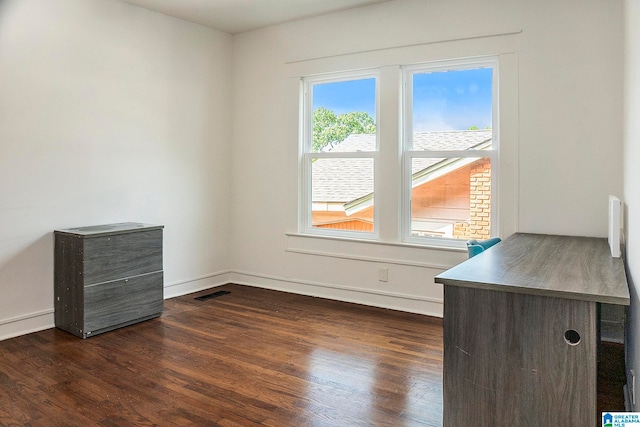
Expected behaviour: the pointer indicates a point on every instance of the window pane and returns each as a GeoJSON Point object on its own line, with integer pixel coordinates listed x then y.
{"type": "Point", "coordinates": [341, 109]}
{"type": "Point", "coordinates": [451, 197]}
{"type": "Point", "coordinates": [445, 101]}
{"type": "Point", "coordinates": [342, 194]}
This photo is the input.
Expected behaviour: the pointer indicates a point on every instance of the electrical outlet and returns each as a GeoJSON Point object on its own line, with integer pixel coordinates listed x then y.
{"type": "Point", "coordinates": [383, 274]}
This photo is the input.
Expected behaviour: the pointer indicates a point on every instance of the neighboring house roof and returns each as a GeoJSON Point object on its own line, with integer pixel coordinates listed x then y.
{"type": "Point", "coordinates": [350, 181]}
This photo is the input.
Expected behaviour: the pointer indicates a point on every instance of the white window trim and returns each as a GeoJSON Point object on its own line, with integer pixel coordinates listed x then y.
{"type": "Point", "coordinates": [504, 46]}
{"type": "Point", "coordinates": [306, 155]}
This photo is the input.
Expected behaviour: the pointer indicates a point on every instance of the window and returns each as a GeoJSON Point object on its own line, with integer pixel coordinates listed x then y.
{"type": "Point", "coordinates": [450, 151]}
{"type": "Point", "coordinates": [434, 180]}
{"type": "Point", "coordinates": [339, 151]}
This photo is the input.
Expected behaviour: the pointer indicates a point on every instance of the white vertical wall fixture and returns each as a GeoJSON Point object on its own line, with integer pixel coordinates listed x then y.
{"type": "Point", "coordinates": [614, 226]}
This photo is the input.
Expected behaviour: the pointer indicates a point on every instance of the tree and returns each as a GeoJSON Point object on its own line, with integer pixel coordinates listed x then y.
{"type": "Point", "coordinates": [330, 129]}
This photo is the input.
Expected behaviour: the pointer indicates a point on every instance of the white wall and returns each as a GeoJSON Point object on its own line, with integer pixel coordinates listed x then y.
{"type": "Point", "coordinates": [631, 182]}
{"type": "Point", "coordinates": [108, 113]}
{"type": "Point", "coordinates": [113, 113]}
{"type": "Point", "coordinates": [567, 143]}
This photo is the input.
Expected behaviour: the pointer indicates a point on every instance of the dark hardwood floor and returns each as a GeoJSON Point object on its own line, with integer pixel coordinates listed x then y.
{"type": "Point", "coordinates": [252, 357]}
{"type": "Point", "coordinates": [611, 379]}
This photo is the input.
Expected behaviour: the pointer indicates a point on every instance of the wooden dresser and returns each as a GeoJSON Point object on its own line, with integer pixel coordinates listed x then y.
{"type": "Point", "coordinates": [521, 331]}
{"type": "Point", "coordinates": [107, 276]}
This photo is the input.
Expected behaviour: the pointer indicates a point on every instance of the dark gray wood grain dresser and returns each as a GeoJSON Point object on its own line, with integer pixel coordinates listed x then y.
{"type": "Point", "coordinates": [107, 276]}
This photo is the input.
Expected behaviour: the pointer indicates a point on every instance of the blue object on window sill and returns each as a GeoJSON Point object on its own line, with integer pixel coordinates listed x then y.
{"type": "Point", "coordinates": [475, 247]}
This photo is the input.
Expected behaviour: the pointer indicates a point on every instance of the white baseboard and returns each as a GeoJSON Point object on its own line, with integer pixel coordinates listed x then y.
{"type": "Point", "coordinates": [183, 287]}
{"type": "Point", "coordinates": [26, 324]}
{"type": "Point", "coordinates": [391, 300]}
{"type": "Point", "coordinates": [38, 321]}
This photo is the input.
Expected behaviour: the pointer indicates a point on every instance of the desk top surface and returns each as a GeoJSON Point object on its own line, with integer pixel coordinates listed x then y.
{"type": "Point", "coordinates": [579, 268]}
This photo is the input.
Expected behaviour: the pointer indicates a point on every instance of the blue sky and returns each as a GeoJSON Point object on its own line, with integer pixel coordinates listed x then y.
{"type": "Point", "coordinates": [447, 100]}
{"type": "Point", "coordinates": [343, 97]}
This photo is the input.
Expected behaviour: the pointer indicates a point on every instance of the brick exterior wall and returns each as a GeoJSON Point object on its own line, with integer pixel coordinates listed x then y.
{"type": "Point", "coordinates": [462, 230]}
{"type": "Point", "coordinates": [480, 197]}
{"type": "Point", "coordinates": [479, 224]}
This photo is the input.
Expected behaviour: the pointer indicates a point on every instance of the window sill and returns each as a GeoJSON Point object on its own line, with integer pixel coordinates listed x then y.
{"type": "Point", "coordinates": [408, 254]}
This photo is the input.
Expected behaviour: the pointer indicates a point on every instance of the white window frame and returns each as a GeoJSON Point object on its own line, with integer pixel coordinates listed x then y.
{"type": "Point", "coordinates": [306, 154]}
{"type": "Point", "coordinates": [408, 154]}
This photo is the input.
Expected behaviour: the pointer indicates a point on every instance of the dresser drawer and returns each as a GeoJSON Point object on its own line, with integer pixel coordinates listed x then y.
{"type": "Point", "coordinates": [112, 304]}
{"type": "Point", "coordinates": [112, 257]}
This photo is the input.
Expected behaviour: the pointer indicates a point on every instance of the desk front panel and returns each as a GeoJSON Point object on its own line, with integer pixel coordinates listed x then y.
{"type": "Point", "coordinates": [509, 359]}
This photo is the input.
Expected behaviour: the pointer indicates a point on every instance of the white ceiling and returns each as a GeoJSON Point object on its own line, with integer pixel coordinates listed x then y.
{"type": "Point", "coordinates": [236, 16]}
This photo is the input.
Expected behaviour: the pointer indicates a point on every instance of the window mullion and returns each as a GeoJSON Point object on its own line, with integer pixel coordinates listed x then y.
{"type": "Point", "coordinates": [344, 155]}
{"type": "Point", "coordinates": [439, 154]}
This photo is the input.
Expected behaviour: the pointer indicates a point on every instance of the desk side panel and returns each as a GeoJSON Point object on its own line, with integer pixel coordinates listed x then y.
{"type": "Point", "coordinates": [506, 361]}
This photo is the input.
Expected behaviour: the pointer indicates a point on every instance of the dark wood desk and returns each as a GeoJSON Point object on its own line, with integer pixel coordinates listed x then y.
{"type": "Point", "coordinates": [520, 331]}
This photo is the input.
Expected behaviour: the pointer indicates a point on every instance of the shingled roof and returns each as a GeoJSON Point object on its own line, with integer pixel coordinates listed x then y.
{"type": "Point", "coordinates": [343, 180]}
